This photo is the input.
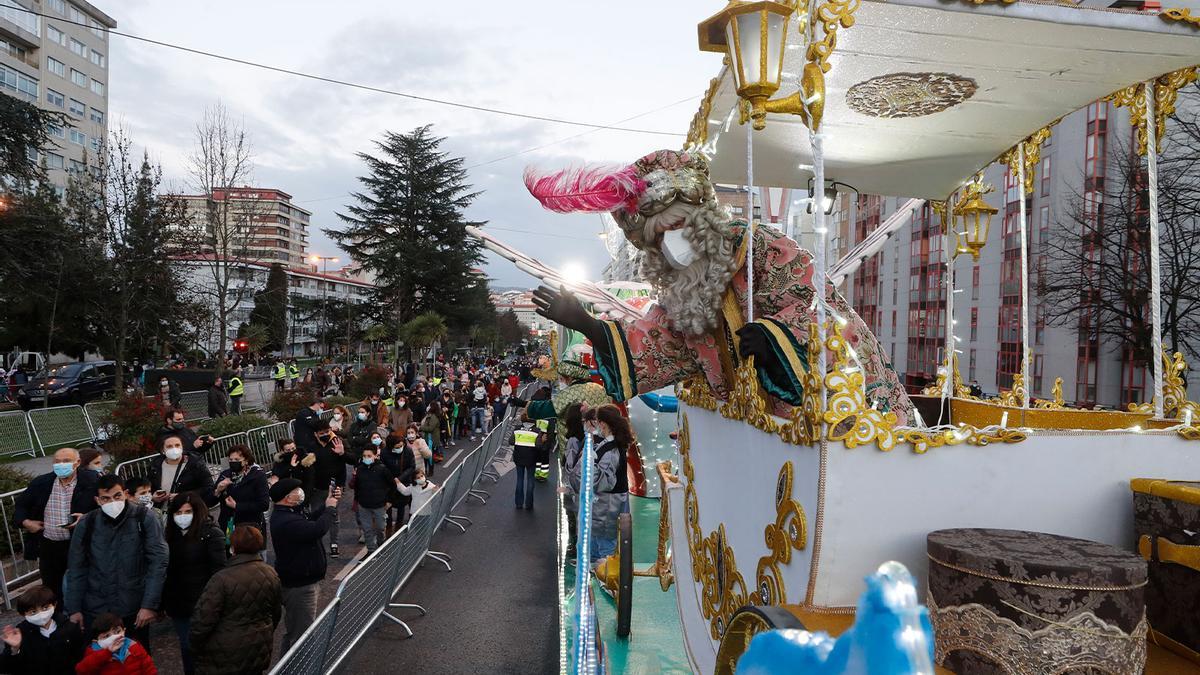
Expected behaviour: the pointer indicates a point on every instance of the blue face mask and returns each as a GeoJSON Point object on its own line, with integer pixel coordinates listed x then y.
{"type": "Point", "coordinates": [377, 441]}
{"type": "Point", "coordinates": [64, 469]}
{"type": "Point", "coordinates": [368, 461]}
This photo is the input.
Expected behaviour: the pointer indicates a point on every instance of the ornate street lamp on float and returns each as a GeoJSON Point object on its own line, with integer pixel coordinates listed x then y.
{"type": "Point", "coordinates": [974, 215]}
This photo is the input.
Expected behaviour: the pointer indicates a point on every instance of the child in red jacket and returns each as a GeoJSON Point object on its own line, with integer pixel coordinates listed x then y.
{"type": "Point", "coordinates": [112, 653]}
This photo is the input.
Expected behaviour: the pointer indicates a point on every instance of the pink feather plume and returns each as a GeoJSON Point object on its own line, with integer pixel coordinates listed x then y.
{"type": "Point", "coordinates": [592, 189]}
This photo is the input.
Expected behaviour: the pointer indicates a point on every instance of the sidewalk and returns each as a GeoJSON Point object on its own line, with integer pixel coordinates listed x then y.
{"type": "Point", "coordinates": [495, 613]}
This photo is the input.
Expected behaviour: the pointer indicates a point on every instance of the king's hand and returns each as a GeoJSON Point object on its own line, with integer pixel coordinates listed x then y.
{"type": "Point", "coordinates": [561, 306]}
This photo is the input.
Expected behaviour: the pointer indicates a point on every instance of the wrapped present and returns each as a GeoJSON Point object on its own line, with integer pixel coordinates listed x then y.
{"type": "Point", "coordinates": [1027, 603]}
{"type": "Point", "coordinates": [1166, 515]}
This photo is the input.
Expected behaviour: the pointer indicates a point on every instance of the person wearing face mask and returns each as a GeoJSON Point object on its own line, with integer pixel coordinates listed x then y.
{"type": "Point", "coordinates": [118, 562]}
{"type": "Point", "coordinates": [168, 392]}
{"type": "Point", "coordinates": [47, 511]}
{"type": "Point", "coordinates": [238, 611]}
{"type": "Point", "coordinates": [176, 470]}
{"type": "Point", "coordinates": [112, 653]}
{"type": "Point", "coordinates": [378, 409]}
{"type": "Point", "coordinates": [299, 557]}
{"type": "Point", "coordinates": [431, 428]}
{"type": "Point", "coordinates": [610, 483]}
{"type": "Point", "coordinates": [91, 459]}
{"type": "Point", "coordinates": [329, 471]}
{"type": "Point", "coordinates": [242, 491]}
{"type": "Point", "coordinates": [197, 552]}
{"type": "Point", "coordinates": [46, 642]}
{"type": "Point", "coordinates": [174, 424]}
{"type": "Point", "coordinates": [404, 459]}
{"type": "Point", "coordinates": [361, 429]}
{"type": "Point", "coordinates": [400, 417]}
{"type": "Point", "coordinates": [340, 421]}
{"type": "Point", "coordinates": [372, 484]}
{"type": "Point", "coordinates": [420, 492]}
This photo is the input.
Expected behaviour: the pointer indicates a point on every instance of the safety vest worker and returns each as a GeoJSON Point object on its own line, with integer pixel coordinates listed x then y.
{"type": "Point", "coordinates": [293, 372]}
{"type": "Point", "coordinates": [236, 388]}
{"type": "Point", "coordinates": [280, 371]}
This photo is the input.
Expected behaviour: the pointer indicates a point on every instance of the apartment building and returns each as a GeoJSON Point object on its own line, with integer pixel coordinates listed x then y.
{"type": "Point", "coordinates": [60, 63]}
{"type": "Point", "coordinates": [901, 291]}
{"type": "Point", "coordinates": [269, 227]}
{"type": "Point", "coordinates": [337, 288]}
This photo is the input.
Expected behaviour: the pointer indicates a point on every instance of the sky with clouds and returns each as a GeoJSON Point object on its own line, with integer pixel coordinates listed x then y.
{"type": "Point", "coordinates": [591, 62]}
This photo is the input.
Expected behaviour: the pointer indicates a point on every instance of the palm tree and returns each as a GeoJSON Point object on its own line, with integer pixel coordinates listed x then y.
{"type": "Point", "coordinates": [423, 331]}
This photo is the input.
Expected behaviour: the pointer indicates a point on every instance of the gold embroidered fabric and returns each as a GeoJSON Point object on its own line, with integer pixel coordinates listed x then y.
{"type": "Point", "coordinates": [1080, 642]}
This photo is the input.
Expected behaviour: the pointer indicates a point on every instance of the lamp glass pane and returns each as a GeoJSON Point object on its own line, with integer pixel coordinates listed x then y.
{"type": "Point", "coordinates": [750, 45]}
{"type": "Point", "coordinates": [776, 32]}
{"type": "Point", "coordinates": [731, 42]}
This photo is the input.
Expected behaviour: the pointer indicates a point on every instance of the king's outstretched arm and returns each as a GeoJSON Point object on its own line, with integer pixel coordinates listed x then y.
{"type": "Point", "coordinates": [634, 357]}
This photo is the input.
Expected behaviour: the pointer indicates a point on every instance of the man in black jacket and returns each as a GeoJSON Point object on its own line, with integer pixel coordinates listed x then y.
{"type": "Point", "coordinates": [47, 512]}
{"type": "Point", "coordinates": [175, 425]}
{"type": "Point", "coordinates": [218, 402]}
{"type": "Point", "coordinates": [306, 423]}
{"type": "Point", "coordinates": [175, 471]}
{"type": "Point", "coordinates": [329, 472]}
{"type": "Point", "coordinates": [299, 556]}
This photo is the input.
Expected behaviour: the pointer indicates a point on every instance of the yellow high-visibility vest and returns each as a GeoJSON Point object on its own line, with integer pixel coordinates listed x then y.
{"type": "Point", "coordinates": [280, 371]}
{"type": "Point", "coordinates": [235, 386]}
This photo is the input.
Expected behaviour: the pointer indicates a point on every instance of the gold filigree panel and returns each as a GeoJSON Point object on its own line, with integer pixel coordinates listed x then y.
{"type": "Point", "coordinates": [696, 392]}
{"type": "Point", "coordinates": [830, 15]}
{"type": "Point", "coordinates": [1014, 397]}
{"type": "Point", "coordinates": [1166, 89]}
{"type": "Point", "coordinates": [698, 132]}
{"type": "Point", "coordinates": [1182, 14]}
{"type": "Point", "coordinates": [1033, 154]}
{"type": "Point", "coordinates": [922, 439]}
{"type": "Point", "coordinates": [1056, 393]}
{"type": "Point", "coordinates": [938, 388]}
{"type": "Point", "coordinates": [849, 417]}
{"type": "Point", "coordinates": [1175, 401]}
{"type": "Point", "coordinates": [714, 565]}
{"type": "Point", "coordinates": [746, 401]}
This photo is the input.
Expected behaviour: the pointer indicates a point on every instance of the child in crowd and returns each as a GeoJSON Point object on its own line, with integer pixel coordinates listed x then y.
{"type": "Point", "coordinates": [421, 491]}
{"type": "Point", "coordinates": [372, 484]}
{"type": "Point", "coordinates": [112, 653]}
{"type": "Point", "coordinates": [46, 642]}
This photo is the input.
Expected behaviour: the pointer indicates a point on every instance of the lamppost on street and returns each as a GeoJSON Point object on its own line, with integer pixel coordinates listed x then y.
{"type": "Point", "coordinates": [324, 260]}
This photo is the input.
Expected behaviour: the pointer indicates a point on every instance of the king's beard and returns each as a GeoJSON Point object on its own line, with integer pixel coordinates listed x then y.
{"type": "Point", "coordinates": [692, 296]}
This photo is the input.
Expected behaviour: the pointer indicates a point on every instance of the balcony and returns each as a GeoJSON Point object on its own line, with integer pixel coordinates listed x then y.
{"type": "Point", "coordinates": [21, 27]}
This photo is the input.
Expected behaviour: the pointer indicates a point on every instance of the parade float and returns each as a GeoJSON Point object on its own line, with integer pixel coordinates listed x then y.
{"type": "Point", "coordinates": [802, 463]}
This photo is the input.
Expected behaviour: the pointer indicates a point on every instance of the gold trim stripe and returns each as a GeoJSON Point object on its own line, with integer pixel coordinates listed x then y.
{"type": "Point", "coordinates": [618, 348]}
{"type": "Point", "coordinates": [1179, 491]}
{"type": "Point", "coordinates": [1039, 584]}
{"type": "Point", "coordinates": [785, 345]}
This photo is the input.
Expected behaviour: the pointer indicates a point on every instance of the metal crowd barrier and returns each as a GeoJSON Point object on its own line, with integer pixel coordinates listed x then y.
{"type": "Point", "coordinates": [60, 426]}
{"type": "Point", "coordinates": [16, 436]}
{"type": "Point", "coordinates": [14, 569]}
{"type": "Point", "coordinates": [362, 599]}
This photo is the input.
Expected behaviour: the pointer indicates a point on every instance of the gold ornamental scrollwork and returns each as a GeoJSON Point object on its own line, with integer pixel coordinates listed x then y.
{"type": "Point", "coordinates": [788, 533]}
{"type": "Point", "coordinates": [1014, 397]}
{"type": "Point", "coordinates": [1033, 154]}
{"type": "Point", "coordinates": [746, 401]}
{"type": "Point", "coordinates": [939, 386]}
{"type": "Point", "coordinates": [1166, 89]}
{"type": "Point", "coordinates": [696, 392]}
{"type": "Point", "coordinates": [804, 424]}
{"type": "Point", "coordinates": [850, 419]}
{"type": "Point", "coordinates": [830, 14]}
{"type": "Point", "coordinates": [713, 564]}
{"type": "Point", "coordinates": [698, 132]}
{"type": "Point", "coordinates": [924, 439]}
{"type": "Point", "coordinates": [1056, 393]}
{"type": "Point", "coordinates": [1181, 14]}
{"type": "Point", "coordinates": [1175, 400]}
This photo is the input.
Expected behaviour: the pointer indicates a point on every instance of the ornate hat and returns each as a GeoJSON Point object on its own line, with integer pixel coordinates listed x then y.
{"type": "Point", "coordinates": [573, 370]}
{"type": "Point", "coordinates": [632, 193]}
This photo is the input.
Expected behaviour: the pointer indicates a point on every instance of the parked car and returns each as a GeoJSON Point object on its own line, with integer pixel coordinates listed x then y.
{"type": "Point", "coordinates": [69, 383]}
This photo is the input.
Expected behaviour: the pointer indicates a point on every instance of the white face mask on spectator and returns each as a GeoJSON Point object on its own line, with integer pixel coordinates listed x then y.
{"type": "Point", "coordinates": [113, 508]}
{"type": "Point", "coordinates": [40, 618]}
{"type": "Point", "coordinates": [146, 499]}
{"type": "Point", "coordinates": [173, 453]}
{"type": "Point", "coordinates": [183, 520]}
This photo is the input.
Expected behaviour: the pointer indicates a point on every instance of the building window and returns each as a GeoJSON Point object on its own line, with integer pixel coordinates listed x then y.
{"type": "Point", "coordinates": [971, 366]}
{"type": "Point", "coordinates": [893, 323]}
{"type": "Point", "coordinates": [96, 28]}
{"type": "Point", "coordinates": [32, 23]}
{"type": "Point", "coordinates": [79, 78]}
{"type": "Point", "coordinates": [24, 86]}
{"type": "Point", "coordinates": [55, 99]}
{"type": "Point", "coordinates": [77, 166]}
{"type": "Point", "coordinates": [1046, 177]}
{"type": "Point", "coordinates": [975, 283]}
{"type": "Point", "coordinates": [98, 58]}
{"type": "Point", "coordinates": [97, 116]}
{"type": "Point", "coordinates": [55, 35]}
{"type": "Point", "coordinates": [78, 137]}
{"type": "Point", "coordinates": [76, 15]}
{"type": "Point", "coordinates": [54, 161]}
{"type": "Point", "coordinates": [95, 145]}
{"type": "Point", "coordinates": [1037, 374]}
{"type": "Point", "coordinates": [97, 87]}
{"type": "Point", "coordinates": [1044, 227]}
{"type": "Point", "coordinates": [1039, 325]}
{"type": "Point", "coordinates": [77, 108]}
{"type": "Point", "coordinates": [78, 48]}
{"type": "Point", "coordinates": [55, 66]}
{"type": "Point", "coordinates": [57, 5]}
{"type": "Point", "coordinates": [57, 131]}
{"type": "Point", "coordinates": [974, 324]}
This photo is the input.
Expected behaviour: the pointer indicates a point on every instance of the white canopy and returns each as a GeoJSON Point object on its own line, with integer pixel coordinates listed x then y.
{"type": "Point", "coordinates": [1030, 64]}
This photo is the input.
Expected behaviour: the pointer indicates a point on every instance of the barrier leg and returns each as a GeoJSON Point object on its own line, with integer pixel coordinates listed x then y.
{"type": "Point", "coordinates": [401, 605]}
{"type": "Point", "coordinates": [454, 520]}
{"type": "Point", "coordinates": [438, 557]}
{"type": "Point", "coordinates": [481, 495]}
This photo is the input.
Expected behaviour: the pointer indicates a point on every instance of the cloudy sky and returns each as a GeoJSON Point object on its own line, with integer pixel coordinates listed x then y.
{"type": "Point", "coordinates": [591, 62]}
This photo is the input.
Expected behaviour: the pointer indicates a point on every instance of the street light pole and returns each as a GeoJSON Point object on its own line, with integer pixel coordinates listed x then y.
{"type": "Point", "coordinates": [324, 260]}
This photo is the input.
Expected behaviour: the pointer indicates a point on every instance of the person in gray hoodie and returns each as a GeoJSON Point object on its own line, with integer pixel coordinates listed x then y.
{"type": "Point", "coordinates": [609, 481]}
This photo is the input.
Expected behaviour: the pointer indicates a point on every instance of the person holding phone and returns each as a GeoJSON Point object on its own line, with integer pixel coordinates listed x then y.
{"type": "Point", "coordinates": [177, 470]}
{"type": "Point", "coordinates": [329, 474]}
{"type": "Point", "coordinates": [47, 511]}
{"type": "Point", "coordinates": [174, 424]}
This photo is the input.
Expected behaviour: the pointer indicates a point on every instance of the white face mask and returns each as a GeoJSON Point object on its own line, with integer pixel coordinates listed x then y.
{"type": "Point", "coordinates": [183, 520]}
{"type": "Point", "coordinates": [677, 250]}
{"type": "Point", "coordinates": [107, 642]}
{"type": "Point", "coordinates": [40, 618]}
{"type": "Point", "coordinates": [113, 508]}
{"type": "Point", "coordinates": [173, 453]}
{"type": "Point", "coordinates": [300, 496]}
{"type": "Point", "coordinates": [146, 499]}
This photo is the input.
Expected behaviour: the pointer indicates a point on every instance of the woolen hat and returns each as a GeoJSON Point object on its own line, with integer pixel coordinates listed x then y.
{"type": "Point", "coordinates": [283, 488]}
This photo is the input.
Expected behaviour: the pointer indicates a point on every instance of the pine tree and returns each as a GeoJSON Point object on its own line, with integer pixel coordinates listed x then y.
{"type": "Point", "coordinates": [271, 309]}
{"type": "Point", "coordinates": [408, 229]}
